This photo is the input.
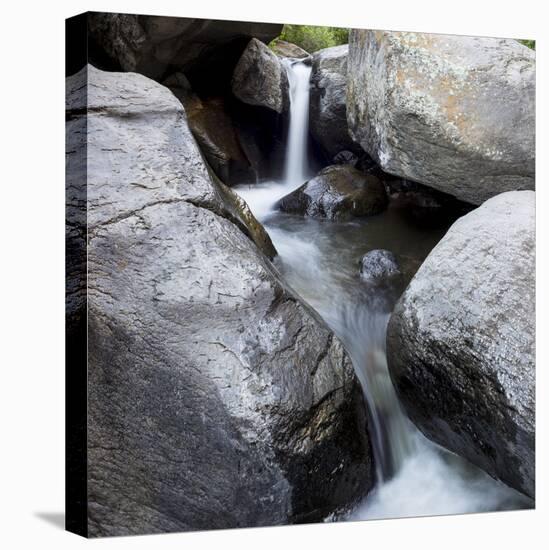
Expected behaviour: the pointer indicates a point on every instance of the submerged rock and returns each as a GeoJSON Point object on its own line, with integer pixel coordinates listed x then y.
{"type": "Point", "coordinates": [287, 49]}
{"type": "Point", "coordinates": [460, 342]}
{"type": "Point", "coordinates": [456, 113]}
{"type": "Point", "coordinates": [216, 398]}
{"type": "Point", "coordinates": [328, 111]}
{"type": "Point", "coordinates": [378, 264]}
{"type": "Point", "coordinates": [260, 78]}
{"type": "Point", "coordinates": [337, 192]}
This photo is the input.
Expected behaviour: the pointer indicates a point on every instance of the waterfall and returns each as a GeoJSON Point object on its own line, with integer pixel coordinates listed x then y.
{"type": "Point", "coordinates": [320, 262]}
{"type": "Point", "coordinates": [362, 330]}
{"type": "Point", "coordinates": [296, 169]}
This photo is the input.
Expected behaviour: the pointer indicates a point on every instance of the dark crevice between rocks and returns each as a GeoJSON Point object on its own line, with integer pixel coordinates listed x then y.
{"type": "Point", "coordinates": [424, 206]}
{"type": "Point", "coordinates": [99, 58]}
{"type": "Point", "coordinates": [317, 155]}
{"type": "Point", "coordinates": [262, 136]}
{"type": "Point", "coordinates": [215, 71]}
{"type": "Point", "coordinates": [242, 143]}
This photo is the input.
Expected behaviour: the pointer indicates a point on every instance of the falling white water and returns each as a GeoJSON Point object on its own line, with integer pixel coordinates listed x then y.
{"type": "Point", "coordinates": [296, 169]}
{"type": "Point", "coordinates": [261, 197]}
{"type": "Point", "coordinates": [320, 262]}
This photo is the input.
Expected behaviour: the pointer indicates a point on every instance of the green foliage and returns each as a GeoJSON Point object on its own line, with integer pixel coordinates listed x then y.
{"type": "Point", "coordinates": [530, 43]}
{"type": "Point", "coordinates": [341, 36]}
{"type": "Point", "coordinates": [312, 38]}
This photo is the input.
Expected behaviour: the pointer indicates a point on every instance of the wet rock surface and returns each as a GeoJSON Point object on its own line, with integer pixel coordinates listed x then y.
{"type": "Point", "coordinates": [460, 342]}
{"type": "Point", "coordinates": [455, 113]}
{"type": "Point", "coordinates": [377, 265]}
{"type": "Point", "coordinates": [338, 192]}
{"type": "Point", "coordinates": [216, 398]}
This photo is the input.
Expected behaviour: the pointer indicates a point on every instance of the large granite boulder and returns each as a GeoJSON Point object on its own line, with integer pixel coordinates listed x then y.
{"type": "Point", "coordinates": [456, 113]}
{"type": "Point", "coordinates": [328, 111]}
{"type": "Point", "coordinates": [216, 398]}
{"type": "Point", "coordinates": [286, 49]}
{"type": "Point", "coordinates": [155, 45]}
{"type": "Point", "coordinates": [460, 342]}
{"type": "Point", "coordinates": [260, 79]}
{"type": "Point", "coordinates": [338, 192]}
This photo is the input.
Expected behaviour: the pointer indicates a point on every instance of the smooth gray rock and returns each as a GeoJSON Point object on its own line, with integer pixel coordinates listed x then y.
{"type": "Point", "coordinates": [456, 113]}
{"type": "Point", "coordinates": [378, 264]}
{"type": "Point", "coordinates": [286, 49]}
{"type": "Point", "coordinates": [328, 110]}
{"type": "Point", "coordinates": [216, 398]}
{"type": "Point", "coordinates": [260, 79]}
{"type": "Point", "coordinates": [461, 341]}
{"type": "Point", "coordinates": [338, 192]}
{"type": "Point", "coordinates": [152, 45]}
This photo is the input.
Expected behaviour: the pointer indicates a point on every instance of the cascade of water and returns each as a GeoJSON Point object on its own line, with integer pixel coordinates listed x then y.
{"type": "Point", "coordinates": [296, 168]}
{"type": "Point", "coordinates": [362, 330]}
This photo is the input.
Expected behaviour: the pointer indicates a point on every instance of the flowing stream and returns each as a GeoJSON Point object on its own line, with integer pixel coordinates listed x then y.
{"type": "Point", "coordinates": [319, 260]}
